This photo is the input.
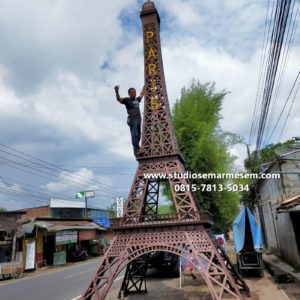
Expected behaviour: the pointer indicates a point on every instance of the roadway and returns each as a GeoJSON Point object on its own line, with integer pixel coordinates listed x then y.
{"type": "Point", "coordinates": [59, 283]}
{"type": "Point", "coordinates": [68, 283]}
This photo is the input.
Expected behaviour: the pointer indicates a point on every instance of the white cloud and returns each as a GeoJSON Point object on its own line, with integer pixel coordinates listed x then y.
{"type": "Point", "coordinates": [41, 37]}
{"type": "Point", "coordinates": [8, 99]}
{"type": "Point", "coordinates": [186, 14]}
{"type": "Point", "coordinates": [73, 107]}
{"type": "Point", "coordinates": [59, 61]}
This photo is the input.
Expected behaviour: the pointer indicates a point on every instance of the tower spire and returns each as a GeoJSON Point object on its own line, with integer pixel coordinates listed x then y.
{"type": "Point", "coordinates": [158, 136]}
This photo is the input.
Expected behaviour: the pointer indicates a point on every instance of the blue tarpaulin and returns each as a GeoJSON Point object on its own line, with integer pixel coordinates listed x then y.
{"type": "Point", "coordinates": [104, 222]}
{"type": "Point", "coordinates": [239, 229]}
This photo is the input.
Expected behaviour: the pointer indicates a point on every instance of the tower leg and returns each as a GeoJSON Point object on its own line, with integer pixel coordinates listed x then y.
{"type": "Point", "coordinates": [134, 281]}
{"type": "Point", "coordinates": [193, 245]}
{"type": "Point", "coordinates": [242, 285]}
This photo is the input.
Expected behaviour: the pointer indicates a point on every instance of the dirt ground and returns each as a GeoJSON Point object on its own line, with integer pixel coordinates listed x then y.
{"type": "Point", "coordinates": [266, 288]}
{"type": "Point", "coordinates": [194, 289]}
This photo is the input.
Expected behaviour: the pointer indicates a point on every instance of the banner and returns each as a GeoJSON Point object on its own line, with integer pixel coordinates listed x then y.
{"type": "Point", "coordinates": [66, 237]}
{"type": "Point", "coordinates": [59, 258]}
{"type": "Point", "coordinates": [30, 255]}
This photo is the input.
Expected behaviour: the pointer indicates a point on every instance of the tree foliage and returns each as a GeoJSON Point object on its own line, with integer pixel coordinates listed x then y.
{"type": "Point", "coordinates": [205, 146]}
{"type": "Point", "coordinates": [166, 209]}
{"type": "Point", "coordinates": [256, 161]}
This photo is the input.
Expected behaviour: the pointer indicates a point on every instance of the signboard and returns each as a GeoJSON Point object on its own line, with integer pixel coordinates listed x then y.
{"type": "Point", "coordinates": [66, 237]}
{"type": "Point", "coordinates": [99, 214]}
{"type": "Point", "coordinates": [86, 194]}
{"type": "Point", "coordinates": [57, 203]}
{"type": "Point", "coordinates": [119, 207]}
{"type": "Point", "coordinates": [59, 258]}
{"type": "Point", "coordinates": [89, 194]}
{"type": "Point", "coordinates": [30, 255]}
{"type": "Point", "coordinates": [79, 195]}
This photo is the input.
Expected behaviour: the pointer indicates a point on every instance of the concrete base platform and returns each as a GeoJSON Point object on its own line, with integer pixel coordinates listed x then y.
{"type": "Point", "coordinates": [280, 269]}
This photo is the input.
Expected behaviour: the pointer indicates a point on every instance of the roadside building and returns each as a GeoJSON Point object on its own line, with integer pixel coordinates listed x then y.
{"type": "Point", "coordinates": [61, 232]}
{"type": "Point", "coordinates": [10, 236]}
{"type": "Point", "coordinates": [69, 209]}
{"type": "Point", "coordinates": [279, 206]}
{"type": "Point", "coordinates": [58, 240]}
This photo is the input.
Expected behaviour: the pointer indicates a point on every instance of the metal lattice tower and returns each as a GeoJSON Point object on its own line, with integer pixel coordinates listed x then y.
{"type": "Point", "coordinates": [142, 231]}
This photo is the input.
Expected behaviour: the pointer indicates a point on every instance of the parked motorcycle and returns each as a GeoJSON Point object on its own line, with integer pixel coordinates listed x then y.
{"type": "Point", "coordinates": [78, 255]}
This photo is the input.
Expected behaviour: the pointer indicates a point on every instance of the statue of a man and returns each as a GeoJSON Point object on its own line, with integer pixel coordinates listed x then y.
{"type": "Point", "coordinates": [134, 119]}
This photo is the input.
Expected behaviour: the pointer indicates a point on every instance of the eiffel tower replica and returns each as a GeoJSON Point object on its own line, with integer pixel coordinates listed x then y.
{"type": "Point", "coordinates": [142, 231]}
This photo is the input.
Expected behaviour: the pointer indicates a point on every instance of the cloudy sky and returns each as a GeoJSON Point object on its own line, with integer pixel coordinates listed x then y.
{"type": "Point", "coordinates": [60, 59]}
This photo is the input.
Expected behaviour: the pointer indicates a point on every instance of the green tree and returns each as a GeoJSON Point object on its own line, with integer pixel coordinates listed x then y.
{"type": "Point", "coordinates": [166, 209]}
{"type": "Point", "coordinates": [256, 161]}
{"type": "Point", "coordinates": [2, 209]}
{"type": "Point", "coordinates": [205, 146]}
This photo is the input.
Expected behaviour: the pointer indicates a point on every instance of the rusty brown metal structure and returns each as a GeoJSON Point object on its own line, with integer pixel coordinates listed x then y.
{"type": "Point", "coordinates": [142, 231]}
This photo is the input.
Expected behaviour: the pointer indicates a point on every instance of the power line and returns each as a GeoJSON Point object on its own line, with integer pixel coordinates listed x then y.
{"type": "Point", "coordinates": [282, 68]}
{"type": "Point", "coordinates": [297, 111]}
{"type": "Point", "coordinates": [30, 194]}
{"type": "Point", "coordinates": [9, 182]}
{"type": "Point", "coordinates": [25, 197]}
{"type": "Point", "coordinates": [261, 68]}
{"type": "Point", "coordinates": [57, 169]}
{"type": "Point", "coordinates": [286, 53]}
{"type": "Point", "coordinates": [60, 171]}
{"type": "Point", "coordinates": [284, 124]}
{"type": "Point", "coordinates": [70, 183]}
{"type": "Point", "coordinates": [277, 37]}
{"type": "Point", "coordinates": [284, 106]}
{"type": "Point", "coordinates": [96, 167]}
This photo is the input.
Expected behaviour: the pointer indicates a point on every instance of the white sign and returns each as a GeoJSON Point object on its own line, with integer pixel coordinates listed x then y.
{"type": "Point", "coordinates": [86, 194]}
{"type": "Point", "coordinates": [89, 194]}
{"type": "Point", "coordinates": [57, 203]}
{"type": "Point", "coordinates": [120, 202]}
{"type": "Point", "coordinates": [30, 255]}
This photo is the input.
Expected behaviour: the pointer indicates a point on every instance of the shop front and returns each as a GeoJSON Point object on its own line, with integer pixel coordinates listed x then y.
{"type": "Point", "coordinates": [60, 241]}
{"type": "Point", "coordinates": [65, 242]}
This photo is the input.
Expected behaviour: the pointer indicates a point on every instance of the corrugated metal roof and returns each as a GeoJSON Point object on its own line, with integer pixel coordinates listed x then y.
{"type": "Point", "coordinates": [289, 203]}
{"type": "Point", "coordinates": [53, 226]}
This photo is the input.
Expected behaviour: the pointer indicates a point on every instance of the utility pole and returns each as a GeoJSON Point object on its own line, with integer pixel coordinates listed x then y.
{"type": "Point", "coordinates": [85, 194]}
{"type": "Point", "coordinates": [248, 151]}
{"type": "Point", "coordinates": [85, 206]}
{"type": "Point", "coordinates": [257, 200]}
{"type": "Point", "coordinates": [14, 242]}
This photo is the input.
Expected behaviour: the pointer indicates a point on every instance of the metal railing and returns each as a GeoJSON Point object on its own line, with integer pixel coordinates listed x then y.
{"type": "Point", "coordinates": [154, 219]}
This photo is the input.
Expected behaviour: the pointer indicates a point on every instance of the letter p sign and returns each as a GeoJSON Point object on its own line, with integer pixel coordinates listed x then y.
{"type": "Point", "coordinates": [149, 35]}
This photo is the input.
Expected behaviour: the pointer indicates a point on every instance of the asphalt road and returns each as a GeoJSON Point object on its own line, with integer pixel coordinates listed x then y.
{"type": "Point", "coordinates": [68, 282]}
{"type": "Point", "coordinates": [63, 283]}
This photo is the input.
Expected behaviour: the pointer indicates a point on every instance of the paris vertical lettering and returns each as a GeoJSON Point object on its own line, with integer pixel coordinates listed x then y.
{"type": "Point", "coordinates": [152, 68]}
